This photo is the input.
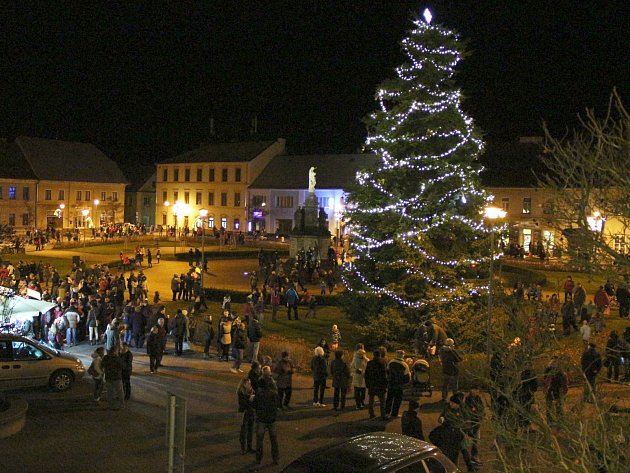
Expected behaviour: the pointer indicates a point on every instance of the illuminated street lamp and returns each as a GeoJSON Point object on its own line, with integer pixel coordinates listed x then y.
{"type": "Point", "coordinates": [203, 213]}
{"type": "Point", "coordinates": [491, 213]}
{"type": "Point", "coordinates": [85, 213]}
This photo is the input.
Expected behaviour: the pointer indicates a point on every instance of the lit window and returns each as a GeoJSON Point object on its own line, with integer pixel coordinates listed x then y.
{"type": "Point", "coordinates": [505, 203]}
{"type": "Point", "coordinates": [284, 201]}
{"type": "Point", "coordinates": [237, 224]}
{"type": "Point", "coordinates": [103, 196]}
{"type": "Point", "coordinates": [210, 222]}
{"type": "Point", "coordinates": [223, 222]}
{"type": "Point", "coordinates": [527, 205]}
{"type": "Point", "coordinates": [12, 197]}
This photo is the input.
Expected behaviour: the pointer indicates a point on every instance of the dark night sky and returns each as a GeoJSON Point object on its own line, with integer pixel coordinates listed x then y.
{"type": "Point", "coordinates": [142, 82]}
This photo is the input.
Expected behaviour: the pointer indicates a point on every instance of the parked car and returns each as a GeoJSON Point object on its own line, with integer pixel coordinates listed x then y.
{"type": "Point", "coordinates": [26, 363]}
{"type": "Point", "coordinates": [375, 452]}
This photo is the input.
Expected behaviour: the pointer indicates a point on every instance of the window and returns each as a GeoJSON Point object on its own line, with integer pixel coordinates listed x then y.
{"type": "Point", "coordinates": [25, 193]}
{"type": "Point", "coordinates": [165, 175]}
{"type": "Point", "coordinates": [284, 201]}
{"type": "Point", "coordinates": [1, 192]}
{"type": "Point", "coordinates": [224, 199]}
{"type": "Point", "coordinates": [223, 222]}
{"type": "Point", "coordinates": [48, 194]}
{"type": "Point", "coordinates": [12, 220]}
{"type": "Point", "coordinates": [237, 224]}
{"type": "Point", "coordinates": [323, 201]}
{"type": "Point", "coordinates": [505, 203]}
{"type": "Point", "coordinates": [187, 175]}
{"type": "Point", "coordinates": [187, 197]}
{"type": "Point", "coordinates": [211, 175]}
{"type": "Point", "coordinates": [224, 175]}
{"type": "Point", "coordinates": [284, 225]}
{"type": "Point", "coordinates": [176, 174]}
{"type": "Point", "coordinates": [237, 199]}
{"type": "Point", "coordinates": [258, 201]}
{"type": "Point", "coordinates": [237, 175]}
{"type": "Point", "coordinates": [147, 201]}
{"type": "Point", "coordinates": [175, 196]}
{"type": "Point", "coordinates": [62, 195]}
{"type": "Point", "coordinates": [11, 193]}
{"type": "Point", "coordinates": [88, 195]}
{"type": "Point", "coordinates": [164, 196]}
{"type": "Point", "coordinates": [163, 219]}
{"type": "Point", "coordinates": [199, 174]}
{"type": "Point", "coordinates": [103, 196]}
{"type": "Point", "coordinates": [25, 351]}
{"type": "Point", "coordinates": [198, 198]}
{"type": "Point", "coordinates": [115, 196]}
{"type": "Point", "coordinates": [210, 222]}
{"type": "Point", "coordinates": [79, 195]}
{"type": "Point", "coordinates": [210, 198]}
{"type": "Point", "coordinates": [433, 465]}
{"type": "Point", "coordinates": [619, 242]}
{"type": "Point", "coordinates": [527, 205]}
{"type": "Point", "coordinates": [527, 239]}
{"type": "Point", "coordinates": [25, 219]}
{"type": "Point", "coordinates": [548, 207]}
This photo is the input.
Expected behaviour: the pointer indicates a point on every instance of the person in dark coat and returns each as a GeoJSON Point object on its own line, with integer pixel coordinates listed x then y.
{"type": "Point", "coordinates": [398, 375]}
{"type": "Point", "coordinates": [448, 436]}
{"type": "Point", "coordinates": [524, 396]}
{"type": "Point", "coordinates": [614, 349]}
{"type": "Point", "coordinates": [319, 369]}
{"type": "Point", "coordinates": [410, 423]}
{"type": "Point", "coordinates": [245, 394]}
{"type": "Point", "coordinates": [154, 347]}
{"type": "Point", "coordinates": [254, 375]}
{"type": "Point", "coordinates": [591, 364]}
{"type": "Point", "coordinates": [376, 383]}
{"type": "Point", "coordinates": [207, 331]}
{"type": "Point", "coordinates": [556, 388]}
{"type": "Point", "coordinates": [127, 358]}
{"type": "Point", "coordinates": [474, 411]}
{"type": "Point", "coordinates": [266, 405]}
{"type": "Point", "coordinates": [340, 373]}
{"type": "Point", "coordinates": [137, 323]}
{"type": "Point", "coordinates": [179, 331]}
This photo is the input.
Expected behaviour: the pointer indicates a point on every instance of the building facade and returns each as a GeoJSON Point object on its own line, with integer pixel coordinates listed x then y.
{"type": "Point", "coordinates": [140, 202]}
{"type": "Point", "coordinates": [58, 184]}
{"type": "Point", "coordinates": [215, 178]}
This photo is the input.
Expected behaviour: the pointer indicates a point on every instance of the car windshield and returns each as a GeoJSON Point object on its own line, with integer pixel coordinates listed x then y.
{"type": "Point", "coordinates": [44, 347]}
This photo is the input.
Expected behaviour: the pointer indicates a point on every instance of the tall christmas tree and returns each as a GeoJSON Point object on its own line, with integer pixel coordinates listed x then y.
{"type": "Point", "coordinates": [415, 218]}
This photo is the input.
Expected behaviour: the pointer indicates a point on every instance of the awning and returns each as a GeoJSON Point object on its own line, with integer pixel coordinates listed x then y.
{"type": "Point", "coordinates": [14, 308]}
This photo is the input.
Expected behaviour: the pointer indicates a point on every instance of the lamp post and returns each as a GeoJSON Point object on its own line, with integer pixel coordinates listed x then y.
{"type": "Point", "coordinates": [95, 213]}
{"type": "Point", "coordinates": [85, 213]}
{"type": "Point", "coordinates": [177, 208]}
{"type": "Point", "coordinates": [203, 213]}
{"type": "Point", "coordinates": [491, 213]}
{"type": "Point", "coordinates": [61, 207]}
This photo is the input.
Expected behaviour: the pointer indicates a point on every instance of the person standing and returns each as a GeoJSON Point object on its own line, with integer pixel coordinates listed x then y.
{"type": "Point", "coordinates": [154, 345]}
{"type": "Point", "coordinates": [319, 369]}
{"type": "Point", "coordinates": [158, 255]}
{"type": "Point", "coordinates": [613, 356]}
{"type": "Point", "coordinates": [410, 423]}
{"type": "Point", "coordinates": [602, 300]}
{"type": "Point", "coordinates": [284, 370]}
{"type": "Point", "coordinates": [162, 337]}
{"type": "Point", "coordinates": [556, 388]}
{"type": "Point", "coordinates": [274, 299]}
{"type": "Point", "coordinates": [127, 358]}
{"type": "Point", "coordinates": [149, 258]}
{"type": "Point", "coordinates": [266, 406]}
{"type": "Point", "coordinates": [376, 383]}
{"type": "Point", "coordinates": [398, 375]}
{"type": "Point", "coordinates": [292, 299]}
{"type": "Point", "coordinates": [340, 373]}
{"type": "Point", "coordinates": [254, 334]}
{"type": "Point", "coordinates": [113, 367]}
{"type": "Point", "coordinates": [585, 333]}
{"type": "Point", "coordinates": [239, 340]}
{"type": "Point", "coordinates": [97, 372]}
{"type": "Point", "coordinates": [474, 411]}
{"type": "Point", "coordinates": [357, 368]}
{"type": "Point", "coordinates": [179, 332]}
{"type": "Point", "coordinates": [246, 395]}
{"type": "Point", "coordinates": [568, 287]}
{"type": "Point", "coordinates": [72, 317]}
{"type": "Point", "coordinates": [175, 286]}
{"type": "Point", "coordinates": [207, 331]}
{"type": "Point", "coordinates": [225, 335]}
{"type": "Point", "coordinates": [579, 297]}
{"type": "Point", "coordinates": [450, 359]}
{"type": "Point", "coordinates": [335, 338]}
{"type": "Point", "coordinates": [591, 364]}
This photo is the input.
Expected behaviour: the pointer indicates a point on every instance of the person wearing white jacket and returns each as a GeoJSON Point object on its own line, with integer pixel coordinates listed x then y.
{"type": "Point", "coordinates": [357, 369]}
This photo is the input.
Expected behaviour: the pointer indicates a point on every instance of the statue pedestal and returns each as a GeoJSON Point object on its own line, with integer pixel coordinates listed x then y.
{"type": "Point", "coordinates": [310, 229]}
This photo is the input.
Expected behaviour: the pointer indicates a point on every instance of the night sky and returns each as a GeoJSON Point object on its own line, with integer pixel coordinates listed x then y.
{"type": "Point", "coordinates": [143, 80]}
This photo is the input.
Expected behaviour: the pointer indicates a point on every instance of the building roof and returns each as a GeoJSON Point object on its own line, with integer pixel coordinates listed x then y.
{"type": "Point", "coordinates": [56, 160]}
{"type": "Point", "coordinates": [334, 171]}
{"type": "Point", "coordinates": [12, 163]}
{"type": "Point", "coordinates": [222, 153]}
{"type": "Point", "coordinates": [512, 164]}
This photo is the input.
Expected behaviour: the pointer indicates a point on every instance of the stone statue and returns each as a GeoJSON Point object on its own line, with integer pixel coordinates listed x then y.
{"type": "Point", "coordinates": [311, 179]}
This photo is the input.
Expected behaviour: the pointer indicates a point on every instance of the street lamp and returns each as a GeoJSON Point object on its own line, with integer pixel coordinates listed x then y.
{"type": "Point", "coordinates": [491, 213]}
{"type": "Point", "coordinates": [95, 213]}
{"type": "Point", "coordinates": [203, 213]}
{"type": "Point", "coordinates": [85, 213]}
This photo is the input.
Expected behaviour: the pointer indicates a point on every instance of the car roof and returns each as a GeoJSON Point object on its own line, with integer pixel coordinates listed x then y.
{"type": "Point", "coordinates": [364, 453]}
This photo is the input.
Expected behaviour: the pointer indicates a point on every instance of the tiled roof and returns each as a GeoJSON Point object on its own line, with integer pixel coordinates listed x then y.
{"type": "Point", "coordinates": [222, 153]}
{"type": "Point", "coordinates": [334, 171]}
{"type": "Point", "coordinates": [12, 163]}
{"type": "Point", "coordinates": [68, 161]}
